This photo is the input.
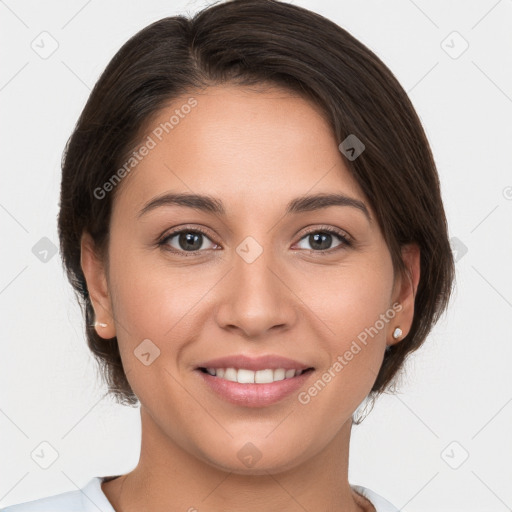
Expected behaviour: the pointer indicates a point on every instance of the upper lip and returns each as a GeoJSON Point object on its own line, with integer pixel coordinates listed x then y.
{"type": "Point", "coordinates": [270, 361]}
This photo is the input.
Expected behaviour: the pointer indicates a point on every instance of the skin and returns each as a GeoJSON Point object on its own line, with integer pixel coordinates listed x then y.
{"type": "Point", "coordinates": [291, 301]}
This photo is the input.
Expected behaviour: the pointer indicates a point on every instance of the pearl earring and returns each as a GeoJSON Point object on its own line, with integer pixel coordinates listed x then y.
{"type": "Point", "coordinates": [397, 333]}
{"type": "Point", "coordinates": [100, 324]}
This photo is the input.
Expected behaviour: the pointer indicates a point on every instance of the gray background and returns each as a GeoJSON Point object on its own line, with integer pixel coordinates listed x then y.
{"type": "Point", "coordinates": [443, 443]}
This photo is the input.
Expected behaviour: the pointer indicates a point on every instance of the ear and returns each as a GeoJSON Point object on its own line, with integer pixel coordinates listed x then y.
{"type": "Point", "coordinates": [97, 285]}
{"type": "Point", "coordinates": [404, 292]}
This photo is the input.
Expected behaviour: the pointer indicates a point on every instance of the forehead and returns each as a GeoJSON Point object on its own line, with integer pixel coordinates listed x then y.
{"type": "Point", "coordinates": [252, 147]}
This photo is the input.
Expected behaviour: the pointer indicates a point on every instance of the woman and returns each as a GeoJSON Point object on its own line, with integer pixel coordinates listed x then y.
{"type": "Point", "coordinates": [251, 217]}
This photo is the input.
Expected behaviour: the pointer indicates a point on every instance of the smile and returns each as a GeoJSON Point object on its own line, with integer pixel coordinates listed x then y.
{"type": "Point", "coordinates": [249, 388]}
{"type": "Point", "coordinates": [245, 376]}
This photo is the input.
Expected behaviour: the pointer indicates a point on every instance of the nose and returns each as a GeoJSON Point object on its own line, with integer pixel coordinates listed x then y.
{"type": "Point", "coordinates": [256, 296]}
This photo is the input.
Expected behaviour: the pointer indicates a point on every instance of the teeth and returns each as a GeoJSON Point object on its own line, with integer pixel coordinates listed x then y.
{"type": "Point", "coordinates": [244, 376]}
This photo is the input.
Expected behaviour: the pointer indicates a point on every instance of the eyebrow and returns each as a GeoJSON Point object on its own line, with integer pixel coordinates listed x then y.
{"type": "Point", "coordinates": [209, 204]}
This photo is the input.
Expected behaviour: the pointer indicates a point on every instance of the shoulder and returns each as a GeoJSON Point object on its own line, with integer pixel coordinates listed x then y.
{"type": "Point", "coordinates": [380, 504]}
{"type": "Point", "coordinates": [89, 498]}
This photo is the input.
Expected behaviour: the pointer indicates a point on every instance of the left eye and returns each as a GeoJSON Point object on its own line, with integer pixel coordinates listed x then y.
{"type": "Point", "coordinates": [188, 240]}
{"type": "Point", "coordinates": [322, 238]}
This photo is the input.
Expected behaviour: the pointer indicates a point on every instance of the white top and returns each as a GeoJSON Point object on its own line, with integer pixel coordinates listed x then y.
{"type": "Point", "coordinates": [91, 498]}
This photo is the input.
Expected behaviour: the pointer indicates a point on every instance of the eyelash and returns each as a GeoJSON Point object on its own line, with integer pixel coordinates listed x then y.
{"type": "Point", "coordinates": [346, 242]}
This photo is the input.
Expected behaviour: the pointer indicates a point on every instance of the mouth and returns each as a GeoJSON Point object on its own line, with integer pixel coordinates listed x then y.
{"type": "Point", "coordinates": [246, 376]}
{"type": "Point", "coordinates": [253, 388]}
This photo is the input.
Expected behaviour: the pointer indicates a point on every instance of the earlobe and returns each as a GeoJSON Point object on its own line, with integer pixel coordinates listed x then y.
{"type": "Point", "coordinates": [405, 293]}
{"type": "Point", "coordinates": [95, 277]}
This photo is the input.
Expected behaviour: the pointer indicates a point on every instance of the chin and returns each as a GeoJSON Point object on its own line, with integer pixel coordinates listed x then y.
{"type": "Point", "coordinates": [257, 457]}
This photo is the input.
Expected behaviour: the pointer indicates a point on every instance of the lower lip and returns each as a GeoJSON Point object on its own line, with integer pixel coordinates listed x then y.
{"type": "Point", "coordinates": [254, 395]}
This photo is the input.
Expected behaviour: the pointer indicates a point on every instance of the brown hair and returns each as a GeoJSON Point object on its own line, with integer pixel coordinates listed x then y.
{"type": "Point", "coordinates": [249, 42]}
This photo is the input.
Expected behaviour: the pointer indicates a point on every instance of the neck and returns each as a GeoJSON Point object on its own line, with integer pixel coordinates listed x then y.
{"type": "Point", "coordinates": [168, 477]}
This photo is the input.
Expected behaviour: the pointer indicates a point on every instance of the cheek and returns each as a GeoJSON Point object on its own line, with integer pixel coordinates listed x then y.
{"type": "Point", "coordinates": [355, 304]}
{"type": "Point", "coordinates": [154, 302]}
{"type": "Point", "coordinates": [351, 298]}
{"type": "Point", "coordinates": [155, 308]}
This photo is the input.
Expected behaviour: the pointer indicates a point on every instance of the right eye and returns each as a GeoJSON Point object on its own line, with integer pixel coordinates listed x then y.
{"type": "Point", "coordinates": [185, 241]}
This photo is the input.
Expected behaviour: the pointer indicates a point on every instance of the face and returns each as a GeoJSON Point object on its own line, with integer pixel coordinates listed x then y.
{"type": "Point", "coordinates": [186, 285]}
